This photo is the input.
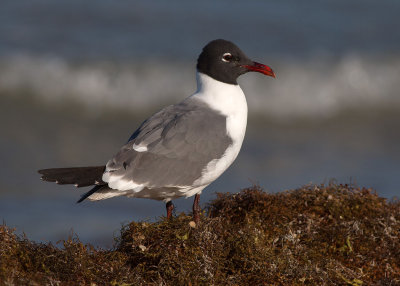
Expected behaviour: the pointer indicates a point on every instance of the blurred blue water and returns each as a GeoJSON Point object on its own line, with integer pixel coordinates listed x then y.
{"type": "Point", "coordinates": [76, 79]}
{"type": "Point", "coordinates": [178, 29]}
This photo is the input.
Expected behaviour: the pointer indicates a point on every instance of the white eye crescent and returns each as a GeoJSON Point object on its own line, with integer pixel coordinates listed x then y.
{"type": "Point", "coordinates": [227, 57]}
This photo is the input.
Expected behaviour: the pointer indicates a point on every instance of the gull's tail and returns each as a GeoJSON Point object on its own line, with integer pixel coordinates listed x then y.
{"type": "Point", "coordinates": [78, 176]}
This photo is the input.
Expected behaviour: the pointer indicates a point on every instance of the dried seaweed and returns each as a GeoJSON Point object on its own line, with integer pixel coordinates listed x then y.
{"type": "Point", "coordinates": [315, 235]}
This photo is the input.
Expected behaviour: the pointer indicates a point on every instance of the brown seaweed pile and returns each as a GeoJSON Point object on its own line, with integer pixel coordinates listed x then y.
{"type": "Point", "coordinates": [315, 235]}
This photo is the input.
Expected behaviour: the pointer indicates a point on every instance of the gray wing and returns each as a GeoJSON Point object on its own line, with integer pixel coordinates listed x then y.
{"type": "Point", "coordinates": [180, 140]}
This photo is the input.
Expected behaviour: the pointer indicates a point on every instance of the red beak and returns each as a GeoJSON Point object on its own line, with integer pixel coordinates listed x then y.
{"type": "Point", "coordinates": [257, 67]}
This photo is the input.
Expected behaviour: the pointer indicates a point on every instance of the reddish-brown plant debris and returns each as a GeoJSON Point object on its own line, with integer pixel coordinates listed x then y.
{"type": "Point", "coordinates": [316, 235]}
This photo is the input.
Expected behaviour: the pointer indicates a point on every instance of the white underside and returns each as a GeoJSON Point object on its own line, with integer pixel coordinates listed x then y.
{"type": "Point", "coordinates": [225, 98]}
{"type": "Point", "coordinates": [164, 195]}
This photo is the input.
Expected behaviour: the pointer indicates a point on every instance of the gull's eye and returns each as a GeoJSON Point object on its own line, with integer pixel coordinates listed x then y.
{"type": "Point", "coordinates": [227, 57]}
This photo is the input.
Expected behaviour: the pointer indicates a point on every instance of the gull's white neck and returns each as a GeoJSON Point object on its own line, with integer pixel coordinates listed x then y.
{"type": "Point", "coordinates": [228, 99]}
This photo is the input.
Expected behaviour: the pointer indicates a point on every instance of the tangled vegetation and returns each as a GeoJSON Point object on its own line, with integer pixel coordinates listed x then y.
{"type": "Point", "coordinates": [315, 235]}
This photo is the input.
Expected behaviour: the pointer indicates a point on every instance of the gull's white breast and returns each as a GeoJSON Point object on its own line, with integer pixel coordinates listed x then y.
{"type": "Point", "coordinates": [229, 100]}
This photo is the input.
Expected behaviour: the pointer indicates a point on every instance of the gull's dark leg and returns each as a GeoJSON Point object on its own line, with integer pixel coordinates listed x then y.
{"type": "Point", "coordinates": [196, 209]}
{"type": "Point", "coordinates": [170, 208]}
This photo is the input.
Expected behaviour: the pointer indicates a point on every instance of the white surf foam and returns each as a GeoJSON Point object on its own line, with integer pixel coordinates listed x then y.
{"type": "Point", "coordinates": [309, 88]}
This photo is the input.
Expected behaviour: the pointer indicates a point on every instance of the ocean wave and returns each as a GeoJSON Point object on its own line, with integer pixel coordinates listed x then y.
{"type": "Point", "coordinates": [314, 87]}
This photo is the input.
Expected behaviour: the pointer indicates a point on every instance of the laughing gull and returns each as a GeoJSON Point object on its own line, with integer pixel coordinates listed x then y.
{"type": "Point", "coordinates": [182, 148]}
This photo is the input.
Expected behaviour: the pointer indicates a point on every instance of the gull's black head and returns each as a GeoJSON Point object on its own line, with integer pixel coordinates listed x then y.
{"type": "Point", "coordinates": [224, 61]}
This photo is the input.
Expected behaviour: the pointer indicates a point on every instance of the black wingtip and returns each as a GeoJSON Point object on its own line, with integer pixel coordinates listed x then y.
{"type": "Point", "coordinates": [88, 194]}
{"type": "Point", "coordinates": [42, 172]}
